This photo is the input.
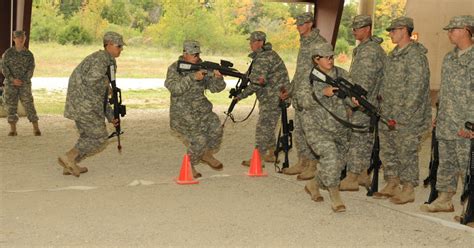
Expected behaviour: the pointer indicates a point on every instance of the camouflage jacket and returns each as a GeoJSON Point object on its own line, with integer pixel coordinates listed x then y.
{"type": "Point", "coordinates": [367, 67]}
{"type": "Point", "coordinates": [304, 63]}
{"type": "Point", "coordinates": [405, 88]}
{"type": "Point", "coordinates": [334, 104]}
{"type": "Point", "coordinates": [188, 101]}
{"type": "Point", "coordinates": [18, 65]}
{"type": "Point", "coordinates": [266, 65]}
{"type": "Point", "coordinates": [88, 88]}
{"type": "Point", "coordinates": [456, 101]}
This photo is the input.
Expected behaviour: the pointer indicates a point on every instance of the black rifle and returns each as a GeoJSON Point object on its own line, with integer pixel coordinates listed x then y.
{"type": "Point", "coordinates": [285, 138]}
{"type": "Point", "coordinates": [434, 163]}
{"type": "Point", "coordinates": [375, 162]}
{"type": "Point", "coordinates": [116, 101]}
{"type": "Point", "coordinates": [241, 84]}
{"type": "Point", "coordinates": [468, 192]}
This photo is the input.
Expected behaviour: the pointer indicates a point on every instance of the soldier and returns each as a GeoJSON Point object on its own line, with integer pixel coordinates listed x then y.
{"type": "Point", "coordinates": [405, 98]}
{"type": "Point", "coordinates": [269, 73]}
{"type": "Point", "coordinates": [309, 36]}
{"type": "Point", "coordinates": [325, 135]}
{"type": "Point", "coordinates": [191, 115]}
{"type": "Point", "coordinates": [456, 106]}
{"type": "Point", "coordinates": [87, 103]}
{"type": "Point", "coordinates": [18, 66]}
{"type": "Point", "coordinates": [366, 70]}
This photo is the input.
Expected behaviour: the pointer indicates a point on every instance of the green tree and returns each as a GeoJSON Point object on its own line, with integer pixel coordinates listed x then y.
{"type": "Point", "coordinates": [46, 21]}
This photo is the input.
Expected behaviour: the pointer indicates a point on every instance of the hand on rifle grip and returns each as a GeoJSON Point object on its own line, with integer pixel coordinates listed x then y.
{"type": "Point", "coordinates": [199, 75]}
{"type": "Point", "coordinates": [116, 122]}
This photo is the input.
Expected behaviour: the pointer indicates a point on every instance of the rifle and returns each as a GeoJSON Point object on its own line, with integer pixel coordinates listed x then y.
{"type": "Point", "coordinates": [468, 192]}
{"type": "Point", "coordinates": [116, 101]}
{"type": "Point", "coordinates": [347, 89]}
{"type": "Point", "coordinates": [285, 138]}
{"type": "Point", "coordinates": [434, 163]}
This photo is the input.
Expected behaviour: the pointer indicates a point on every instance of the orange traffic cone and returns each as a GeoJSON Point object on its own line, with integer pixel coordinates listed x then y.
{"type": "Point", "coordinates": [255, 169]}
{"type": "Point", "coordinates": [186, 174]}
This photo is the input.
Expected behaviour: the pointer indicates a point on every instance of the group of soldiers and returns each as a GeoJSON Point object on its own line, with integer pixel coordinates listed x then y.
{"type": "Point", "coordinates": [397, 83]}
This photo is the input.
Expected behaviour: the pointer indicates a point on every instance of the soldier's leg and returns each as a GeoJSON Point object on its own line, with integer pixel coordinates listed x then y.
{"type": "Point", "coordinates": [93, 138]}
{"type": "Point", "coordinates": [391, 162]}
{"type": "Point", "coordinates": [185, 137]}
{"type": "Point", "coordinates": [213, 132]}
{"type": "Point", "coordinates": [358, 160]}
{"type": "Point", "coordinates": [10, 97]}
{"type": "Point", "coordinates": [26, 98]}
{"type": "Point", "coordinates": [304, 152]}
{"type": "Point", "coordinates": [265, 132]}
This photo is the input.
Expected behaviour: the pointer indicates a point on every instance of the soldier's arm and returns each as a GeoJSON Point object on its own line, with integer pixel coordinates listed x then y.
{"type": "Point", "coordinates": [258, 77]}
{"type": "Point", "coordinates": [177, 83]}
{"type": "Point", "coordinates": [31, 67]}
{"type": "Point", "coordinates": [6, 70]}
{"type": "Point", "coordinates": [215, 84]}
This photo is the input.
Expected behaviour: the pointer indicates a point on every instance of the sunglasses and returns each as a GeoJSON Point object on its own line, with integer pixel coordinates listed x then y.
{"type": "Point", "coordinates": [119, 46]}
{"type": "Point", "coordinates": [327, 57]}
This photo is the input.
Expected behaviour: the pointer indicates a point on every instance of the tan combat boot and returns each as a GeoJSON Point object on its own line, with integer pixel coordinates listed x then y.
{"type": "Point", "coordinates": [364, 179]}
{"type": "Point", "coordinates": [196, 173]}
{"type": "Point", "coordinates": [67, 172]}
{"type": "Point", "coordinates": [270, 155]}
{"type": "Point", "coordinates": [210, 160]}
{"type": "Point", "coordinates": [336, 202]}
{"type": "Point", "coordinates": [68, 162]}
{"type": "Point", "coordinates": [442, 204]}
{"type": "Point", "coordinates": [296, 168]}
{"type": "Point", "coordinates": [350, 182]}
{"type": "Point", "coordinates": [391, 188]}
{"type": "Point", "coordinates": [405, 196]}
{"type": "Point", "coordinates": [312, 188]}
{"type": "Point", "coordinates": [309, 172]}
{"type": "Point", "coordinates": [36, 130]}
{"type": "Point", "coordinates": [12, 129]}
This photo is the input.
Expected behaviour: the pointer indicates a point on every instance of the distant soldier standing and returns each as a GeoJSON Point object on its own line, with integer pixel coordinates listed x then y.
{"type": "Point", "coordinates": [309, 37]}
{"type": "Point", "coordinates": [268, 75]}
{"type": "Point", "coordinates": [87, 103]}
{"type": "Point", "coordinates": [456, 106]}
{"type": "Point", "coordinates": [191, 115]}
{"type": "Point", "coordinates": [18, 67]}
{"type": "Point", "coordinates": [367, 66]}
{"type": "Point", "coordinates": [405, 98]}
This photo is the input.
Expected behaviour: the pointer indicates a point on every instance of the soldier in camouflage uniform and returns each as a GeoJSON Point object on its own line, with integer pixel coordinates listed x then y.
{"type": "Point", "coordinates": [405, 98]}
{"type": "Point", "coordinates": [456, 106]}
{"type": "Point", "coordinates": [18, 67]}
{"type": "Point", "coordinates": [325, 135]}
{"type": "Point", "coordinates": [366, 70]}
{"type": "Point", "coordinates": [191, 115]}
{"type": "Point", "coordinates": [309, 36]}
{"type": "Point", "coordinates": [268, 75]}
{"type": "Point", "coordinates": [87, 103]}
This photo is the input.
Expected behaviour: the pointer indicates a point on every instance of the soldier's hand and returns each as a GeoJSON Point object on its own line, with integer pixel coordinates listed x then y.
{"type": "Point", "coordinates": [284, 94]}
{"type": "Point", "coordinates": [115, 122]}
{"type": "Point", "coordinates": [199, 75]}
{"type": "Point", "coordinates": [355, 102]}
{"type": "Point", "coordinates": [261, 81]}
{"type": "Point", "coordinates": [329, 91]}
{"type": "Point", "coordinates": [466, 133]}
{"type": "Point", "coordinates": [17, 82]}
{"type": "Point", "coordinates": [217, 74]}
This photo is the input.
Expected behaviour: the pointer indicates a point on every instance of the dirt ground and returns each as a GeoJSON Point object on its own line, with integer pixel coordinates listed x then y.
{"type": "Point", "coordinates": [131, 199]}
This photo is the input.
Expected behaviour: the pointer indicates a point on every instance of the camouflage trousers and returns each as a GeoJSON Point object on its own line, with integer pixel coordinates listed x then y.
{"type": "Point", "coordinates": [200, 136]}
{"type": "Point", "coordinates": [300, 142]}
{"type": "Point", "coordinates": [12, 94]}
{"type": "Point", "coordinates": [93, 137]}
{"type": "Point", "coordinates": [359, 151]}
{"type": "Point", "coordinates": [399, 155]}
{"type": "Point", "coordinates": [265, 131]}
{"type": "Point", "coordinates": [453, 163]}
{"type": "Point", "coordinates": [329, 147]}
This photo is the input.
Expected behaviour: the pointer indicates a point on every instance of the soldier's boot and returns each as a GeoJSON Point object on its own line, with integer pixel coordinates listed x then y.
{"type": "Point", "coordinates": [68, 162]}
{"type": "Point", "coordinates": [12, 129]}
{"type": "Point", "coordinates": [210, 160]}
{"type": "Point", "coordinates": [312, 188]}
{"type": "Point", "coordinates": [442, 204]}
{"type": "Point", "coordinates": [36, 130]}
{"type": "Point", "coordinates": [297, 168]}
{"type": "Point", "coordinates": [270, 156]}
{"type": "Point", "coordinates": [405, 196]}
{"type": "Point", "coordinates": [336, 202]}
{"type": "Point", "coordinates": [364, 179]}
{"type": "Point", "coordinates": [350, 182]}
{"type": "Point", "coordinates": [391, 188]}
{"type": "Point", "coordinates": [309, 172]}
{"type": "Point", "coordinates": [196, 173]}
{"type": "Point", "coordinates": [81, 170]}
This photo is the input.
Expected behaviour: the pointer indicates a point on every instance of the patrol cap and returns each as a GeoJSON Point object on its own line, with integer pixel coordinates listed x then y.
{"type": "Point", "coordinates": [401, 22]}
{"type": "Point", "coordinates": [18, 33]}
{"type": "Point", "coordinates": [461, 22]}
{"type": "Point", "coordinates": [257, 35]}
{"type": "Point", "coordinates": [304, 18]}
{"type": "Point", "coordinates": [191, 47]}
{"type": "Point", "coordinates": [322, 50]}
{"type": "Point", "coordinates": [113, 37]}
{"type": "Point", "coordinates": [361, 21]}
